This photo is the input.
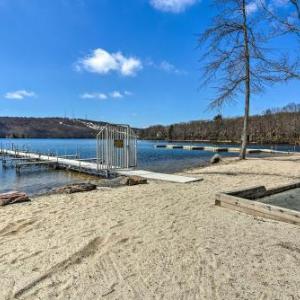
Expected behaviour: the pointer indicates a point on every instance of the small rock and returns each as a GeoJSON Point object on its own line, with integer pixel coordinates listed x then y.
{"type": "Point", "coordinates": [76, 188]}
{"type": "Point", "coordinates": [133, 180]}
{"type": "Point", "coordinates": [215, 159]}
{"type": "Point", "coordinates": [13, 197]}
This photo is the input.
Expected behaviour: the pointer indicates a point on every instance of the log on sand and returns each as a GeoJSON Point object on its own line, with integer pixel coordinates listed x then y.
{"type": "Point", "coordinates": [76, 188]}
{"type": "Point", "coordinates": [13, 197]}
{"type": "Point", "coordinates": [133, 180]}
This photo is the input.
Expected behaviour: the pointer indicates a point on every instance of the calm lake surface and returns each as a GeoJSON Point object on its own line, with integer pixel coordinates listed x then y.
{"type": "Point", "coordinates": [39, 181]}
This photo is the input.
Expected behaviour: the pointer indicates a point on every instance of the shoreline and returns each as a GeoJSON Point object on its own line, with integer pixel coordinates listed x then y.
{"type": "Point", "coordinates": [104, 182]}
{"type": "Point", "coordinates": [229, 142]}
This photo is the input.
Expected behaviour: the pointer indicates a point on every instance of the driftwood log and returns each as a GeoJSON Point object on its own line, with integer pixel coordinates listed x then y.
{"type": "Point", "coordinates": [76, 188]}
{"type": "Point", "coordinates": [13, 197]}
{"type": "Point", "coordinates": [134, 180]}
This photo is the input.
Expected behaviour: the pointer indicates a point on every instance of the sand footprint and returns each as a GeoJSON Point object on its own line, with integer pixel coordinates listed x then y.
{"type": "Point", "coordinates": [209, 285]}
{"type": "Point", "coordinates": [130, 286]}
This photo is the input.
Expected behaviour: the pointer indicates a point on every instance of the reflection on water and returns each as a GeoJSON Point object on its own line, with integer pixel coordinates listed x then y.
{"type": "Point", "coordinates": [36, 181]}
{"type": "Point", "coordinates": [149, 158]}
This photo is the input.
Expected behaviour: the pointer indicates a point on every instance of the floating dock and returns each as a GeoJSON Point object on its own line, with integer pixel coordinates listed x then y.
{"type": "Point", "coordinates": [220, 149]}
{"type": "Point", "coordinates": [86, 166]}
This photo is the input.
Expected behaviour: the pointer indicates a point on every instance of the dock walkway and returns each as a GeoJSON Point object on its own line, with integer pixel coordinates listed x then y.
{"type": "Point", "coordinates": [91, 167]}
{"type": "Point", "coordinates": [220, 149]}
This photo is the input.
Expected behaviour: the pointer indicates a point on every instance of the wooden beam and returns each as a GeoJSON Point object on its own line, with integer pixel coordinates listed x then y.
{"type": "Point", "coordinates": [68, 155]}
{"type": "Point", "coordinates": [18, 159]}
{"type": "Point", "coordinates": [249, 193]}
{"type": "Point", "coordinates": [260, 191]}
{"type": "Point", "coordinates": [282, 188]}
{"type": "Point", "coordinates": [87, 159]}
{"type": "Point", "coordinates": [36, 163]}
{"type": "Point", "coordinates": [257, 208]}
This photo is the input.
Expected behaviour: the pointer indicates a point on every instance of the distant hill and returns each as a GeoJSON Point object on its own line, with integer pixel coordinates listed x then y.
{"type": "Point", "coordinates": [16, 127]}
{"type": "Point", "coordinates": [278, 125]}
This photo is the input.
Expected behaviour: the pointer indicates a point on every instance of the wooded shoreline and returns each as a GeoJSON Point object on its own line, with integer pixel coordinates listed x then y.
{"type": "Point", "coordinates": [280, 126]}
{"type": "Point", "coordinates": [277, 126]}
{"type": "Point", "coordinates": [221, 142]}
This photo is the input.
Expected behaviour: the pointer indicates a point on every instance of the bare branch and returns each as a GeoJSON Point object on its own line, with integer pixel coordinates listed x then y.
{"type": "Point", "coordinates": [236, 57]}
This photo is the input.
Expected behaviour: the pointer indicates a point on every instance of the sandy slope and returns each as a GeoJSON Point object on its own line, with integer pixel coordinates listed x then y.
{"type": "Point", "coordinates": [161, 240]}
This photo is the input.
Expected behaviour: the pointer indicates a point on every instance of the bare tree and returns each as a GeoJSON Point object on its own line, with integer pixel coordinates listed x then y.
{"type": "Point", "coordinates": [285, 19]}
{"type": "Point", "coordinates": [296, 5]}
{"type": "Point", "coordinates": [284, 16]}
{"type": "Point", "coordinates": [237, 58]}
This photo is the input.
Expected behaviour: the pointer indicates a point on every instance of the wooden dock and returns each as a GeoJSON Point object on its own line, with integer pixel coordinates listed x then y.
{"type": "Point", "coordinates": [87, 166]}
{"type": "Point", "coordinates": [158, 176]}
{"type": "Point", "coordinates": [220, 149]}
{"type": "Point", "coordinates": [35, 163]}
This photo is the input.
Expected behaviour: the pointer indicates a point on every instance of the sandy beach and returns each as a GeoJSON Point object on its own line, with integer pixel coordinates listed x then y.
{"type": "Point", "coordinates": [156, 241]}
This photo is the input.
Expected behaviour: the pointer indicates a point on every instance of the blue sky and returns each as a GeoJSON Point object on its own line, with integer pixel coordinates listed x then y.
{"type": "Point", "coordinates": [123, 61]}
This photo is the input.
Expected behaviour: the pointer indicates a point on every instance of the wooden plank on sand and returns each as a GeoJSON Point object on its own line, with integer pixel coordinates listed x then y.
{"type": "Point", "coordinates": [256, 208]}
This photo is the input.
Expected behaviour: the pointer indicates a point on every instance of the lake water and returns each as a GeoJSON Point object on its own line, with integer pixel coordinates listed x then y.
{"type": "Point", "coordinates": [149, 158]}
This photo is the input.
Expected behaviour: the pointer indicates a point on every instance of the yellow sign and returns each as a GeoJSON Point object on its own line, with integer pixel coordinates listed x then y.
{"type": "Point", "coordinates": [119, 143]}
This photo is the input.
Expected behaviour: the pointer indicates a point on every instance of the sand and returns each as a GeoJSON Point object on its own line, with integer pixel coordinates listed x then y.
{"type": "Point", "coordinates": [155, 241]}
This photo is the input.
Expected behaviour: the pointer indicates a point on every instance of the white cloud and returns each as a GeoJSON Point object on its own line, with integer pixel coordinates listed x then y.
{"type": "Point", "coordinates": [127, 93]}
{"type": "Point", "coordinates": [166, 67]}
{"type": "Point", "coordinates": [103, 96]}
{"type": "Point", "coordinates": [252, 7]}
{"type": "Point", "coordinates": [116, 94]}
{"type": "Point", "coordinates": [102, 62]}
{"type": "Point", "coordinates": [255, 5]}
{"type": "Point", "coordinates": [174, 6]}
{"type": "Point", "coordinates": [170, 68]}
{"type": "Point", "coordinates": [19, 95]}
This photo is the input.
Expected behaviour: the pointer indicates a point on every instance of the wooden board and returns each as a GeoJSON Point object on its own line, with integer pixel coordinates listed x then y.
{"type": "Point", "coordinates": [259, 191]}
{"type": "Point", "coordinates": [256, 208]}
{"type": "Point", "coordinates": [282, 188]}
{"type": "Point", "coordinates": [249, 193]}
{"type": "Point", "coordinates": [159, 176]}
{"type": "Point", "coordinates": [37, 163]}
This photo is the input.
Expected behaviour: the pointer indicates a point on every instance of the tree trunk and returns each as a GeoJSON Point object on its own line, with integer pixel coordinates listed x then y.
{"type": "Point", "coordinates": [247, 85]}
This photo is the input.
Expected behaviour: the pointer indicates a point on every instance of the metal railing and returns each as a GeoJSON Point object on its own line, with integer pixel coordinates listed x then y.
{"type": "Point", "coordinates": [116, 148]}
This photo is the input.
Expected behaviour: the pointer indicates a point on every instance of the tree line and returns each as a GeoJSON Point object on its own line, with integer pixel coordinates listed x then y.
{"type": "Point", "coordinates": [275, 126]}
{"type": "Point", "coordinates": [18, 127]}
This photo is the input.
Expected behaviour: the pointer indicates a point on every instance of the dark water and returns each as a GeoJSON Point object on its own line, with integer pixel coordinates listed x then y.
{"type": "Point", "coordinates": [289, 199]}
{"type": "Point", "coordinates": [149, 158]}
